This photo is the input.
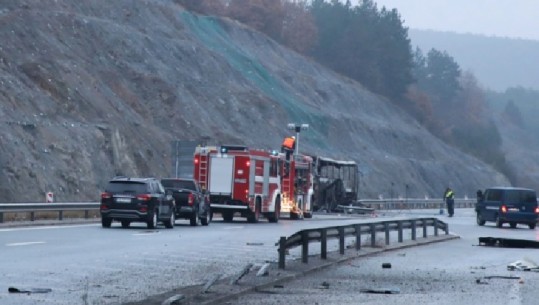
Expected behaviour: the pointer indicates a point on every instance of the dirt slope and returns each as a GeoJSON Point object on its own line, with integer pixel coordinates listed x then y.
{"type": "Point", "coordinates": [91, 89]}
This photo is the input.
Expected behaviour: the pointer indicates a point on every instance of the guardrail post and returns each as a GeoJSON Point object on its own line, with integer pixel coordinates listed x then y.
{"type": "Point", "coordinates": [282, 252]}
{"type": "Point", "coordinates": [341, 240]}
{"type": "Point", "coordinates": [413, 230]}
{"type": "Point", "coordinates": [358, 236]}
{"type": "Point", "coordinates": [324, 244]}
{"type": "Point", "coordinates": [399, 223]}
{"type": "Point", "coordinates": [424, 228]}
{"type": "Point", "coordinates": [386, 229]}
{"type": "Point", "coordinates": [305, 247]}
{"type": "Point", "coordinates": [373, 234]}
{"type": "Point", "coordinates": [86, 214]}
{"type": "Point", "coordinates": [446, 226]}
{"type": "Point", "coordinates": [32, 216]}
{"type": "Point", "coordinates": [436, 224]}
{"type": "Point", "coordinates": [61, 215]}
{"type": "Point", "coordinates": [1, 217]}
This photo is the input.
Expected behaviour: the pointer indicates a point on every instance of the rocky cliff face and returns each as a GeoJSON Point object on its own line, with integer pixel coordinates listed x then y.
{"type": "Point", "coordinates": [92, 89]}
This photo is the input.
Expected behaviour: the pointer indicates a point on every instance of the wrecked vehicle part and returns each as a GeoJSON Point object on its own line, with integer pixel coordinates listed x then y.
{"type": "Point", "coordinates": [29, 290]}
{"type": "Point", "coordinates": [508, 242]}
{"type": "Point", "coordinates": [380, 290]}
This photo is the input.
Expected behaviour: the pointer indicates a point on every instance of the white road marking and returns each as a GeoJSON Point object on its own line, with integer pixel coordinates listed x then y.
{"type": "Point", "coordinates": [47, 227]}
{"type": "Point", "coordinates": [233, 228]}
{"type": "Point", "coordinates": [25, 243]}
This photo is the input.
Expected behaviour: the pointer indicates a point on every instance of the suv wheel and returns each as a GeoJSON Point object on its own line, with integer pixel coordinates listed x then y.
{"type": "Point", "coordinates": [532, 225]}
{"type": "Point", "coordinates": [499, 222]}
{"type": "Point", "coordinates": [480, 220]}
{"type": "Point", "coordinates": [169, 224]}
{"type": "Point", "coordinates": [152, 222]}
{"type": "Point", "coordinates": [106, 222]}
{"type": "Point", "coordinates": [193, 220]}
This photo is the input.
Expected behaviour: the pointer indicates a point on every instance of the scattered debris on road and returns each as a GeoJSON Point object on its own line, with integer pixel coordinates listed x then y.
{"type": "Point", "coordinates": [241, 274]}
{"type": "Point", "coordinates": [380, 290]}
{"type": "Point", "coordinates": [210, 283]}
{"type": "Point", "coordinates": [508, 242]}
{"type": "Point", "coordinates": [174, 300]}
{"type": "Point", "coordinates": [263, 271]}
{"type": "Point", "coordinates": [29, 290]}
{"type": "Point", "coordinates": [386, 265]}
{"type": "Point", "coordinates": [324, 285]}
{"type": "Point", "coordinates": [523, 265]}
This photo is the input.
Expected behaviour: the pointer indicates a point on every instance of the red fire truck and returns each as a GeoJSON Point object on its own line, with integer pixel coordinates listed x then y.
{"type": "Point", "coordinates": [240, 180]}
{"type": "Point", "coordinates": [297, 186]}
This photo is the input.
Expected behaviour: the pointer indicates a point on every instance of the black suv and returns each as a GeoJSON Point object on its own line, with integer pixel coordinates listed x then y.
{"type": "Point", "coordinates": [192, 202]}
{"type": "Point", "coordinates": [137, 200]}
{"type": "Point", "coordinates": [507, 205]}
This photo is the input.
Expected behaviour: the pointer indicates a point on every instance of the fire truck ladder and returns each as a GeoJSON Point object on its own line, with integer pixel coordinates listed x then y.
{"type": "Point", "coordinates": [203, 170]}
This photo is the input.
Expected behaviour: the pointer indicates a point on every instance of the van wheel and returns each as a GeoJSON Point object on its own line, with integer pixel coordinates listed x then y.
{"type": "Point", "coordinates": [499, 222]}
{"type": "Point", "coordinates": [532, 226]}
{"type": "Point", "coordinates": [480, 220]}
{"type": "Point", "coordinates": [513, 224]}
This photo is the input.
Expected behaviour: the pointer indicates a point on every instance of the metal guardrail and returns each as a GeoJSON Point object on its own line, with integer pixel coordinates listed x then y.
{"type": "Point", "coordinates": [377, 204]}
{"type": "Point", "coordinates": [414, 203]}
{"type": "Point", "coordinates": [32, 208]}
{"type": "Point", "coordinates": [304, 237]}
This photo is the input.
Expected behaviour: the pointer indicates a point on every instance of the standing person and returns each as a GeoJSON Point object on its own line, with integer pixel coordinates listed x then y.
{"type": "Point", "coordinates": [450, 201]}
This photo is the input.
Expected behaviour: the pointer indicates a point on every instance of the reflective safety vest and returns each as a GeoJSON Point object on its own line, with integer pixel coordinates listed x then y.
{"type": "Point", "coordinates": [289, 143]}
{"type": "Point", "coordinates": [449, 194]}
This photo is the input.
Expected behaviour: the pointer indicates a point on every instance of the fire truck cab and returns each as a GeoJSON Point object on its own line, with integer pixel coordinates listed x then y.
{"type": "Point", "coordinates": [240, 181]}
{"type": "Point", "coordinates": [297, 186]}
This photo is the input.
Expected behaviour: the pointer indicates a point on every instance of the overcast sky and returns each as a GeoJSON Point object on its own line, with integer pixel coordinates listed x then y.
{"type": "Point", "coordinates": [503, 18]}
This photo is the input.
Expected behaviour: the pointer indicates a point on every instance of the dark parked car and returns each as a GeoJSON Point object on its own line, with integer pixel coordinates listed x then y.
{"type": "Point", "coordinates": [508, 205]}
{"type": "Point", "coordinates": [137, 200]}
{"type": "Point", "coordinates": [191, 201]}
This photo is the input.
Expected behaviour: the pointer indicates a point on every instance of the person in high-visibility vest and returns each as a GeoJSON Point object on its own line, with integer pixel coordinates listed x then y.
{"type": "Point", "coordinates": [289, 143]}
{"type": "Point", "coordinates": [450, 201]}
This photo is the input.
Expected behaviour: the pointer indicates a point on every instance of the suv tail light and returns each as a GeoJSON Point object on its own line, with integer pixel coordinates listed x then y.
{"type": "Point", "coordinates": [144, 197]}
{"type": "Point", "coordinates": [106, 195]}
{"type": "Point", "coordinates": [191, 199]}
{"type": "Point", "coordinates": [536, 210]}
{"type": "Point", "coordinates": [503, 208]}
{"type": "Point", "coordinates": [103, 207]}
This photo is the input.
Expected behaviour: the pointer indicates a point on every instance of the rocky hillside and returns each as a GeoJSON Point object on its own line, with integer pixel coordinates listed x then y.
{"type": "Point", "coordinates": [91, 89]}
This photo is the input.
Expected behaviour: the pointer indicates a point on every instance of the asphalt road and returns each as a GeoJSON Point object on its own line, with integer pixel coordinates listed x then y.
{"type": "Point", "coordinates": [452, 272]}
{"type": "Point", "coordinates": [85, 264]}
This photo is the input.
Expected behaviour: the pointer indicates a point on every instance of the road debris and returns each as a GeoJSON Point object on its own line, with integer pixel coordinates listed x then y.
{"type": "Point", "coordinates": [324, 285]}
{"type": "Point", "coordinates": [380, 290]}
{"type": "Point", "coordinates": [241, 274]}
{"type": "Point", "coordinates": [386, 265]}
{"type": "Point", "coordinates": [174, 300]}
{"type": "Point", "coordinates": [210, 283]}
{"type": "Point", "coordinates": [508, 242]}
{"type": "Point", "coordinates": [29, 290]}
{"type": "Point", "coordinates": [263, 271]}
{"type": "Point", "coordinates": [523, 265]}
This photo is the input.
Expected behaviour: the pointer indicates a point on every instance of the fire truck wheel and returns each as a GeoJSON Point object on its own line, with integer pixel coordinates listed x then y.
{"type": "Point", "coordinates": [308, 215]}
{"type": "Point", "coordinates": [274, 217]}
{"type": "Point", "coordinates": [254, 217]}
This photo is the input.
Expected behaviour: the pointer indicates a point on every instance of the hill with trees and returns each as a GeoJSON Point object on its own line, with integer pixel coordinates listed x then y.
{"type": "Point", "coordinates": [91, 90]}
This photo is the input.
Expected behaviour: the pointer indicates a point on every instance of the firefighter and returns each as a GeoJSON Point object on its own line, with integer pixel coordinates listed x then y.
{"type": "Point", "coordinates": [289, 144]}
{"type": "Point", "coordinates": [450, 201]}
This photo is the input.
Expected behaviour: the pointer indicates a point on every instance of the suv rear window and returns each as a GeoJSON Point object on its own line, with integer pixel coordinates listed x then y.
{"type": "Point", "coordinates": [179, 184]}
{"type": "Point", "coordinates": [131, 187]}
{"type": "Point", "coordinates": [519, 196]}
{"type": "Point", "coordinates": [494, 195]}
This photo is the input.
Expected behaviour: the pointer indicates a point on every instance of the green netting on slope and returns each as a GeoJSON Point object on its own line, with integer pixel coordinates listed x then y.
{"type": "Point", "coordinates": [210, 32]}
